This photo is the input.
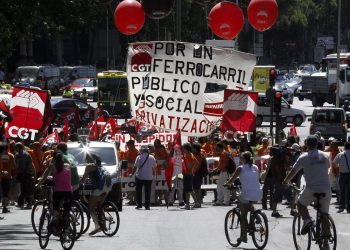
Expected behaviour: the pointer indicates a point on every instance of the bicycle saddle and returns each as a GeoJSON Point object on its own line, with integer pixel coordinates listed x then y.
{"type": "Point", "coordinates": [319, 195]}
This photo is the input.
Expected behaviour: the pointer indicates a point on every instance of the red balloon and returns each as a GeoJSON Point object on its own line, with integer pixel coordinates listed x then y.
{"type": "Point", "coordinates": [129, 17]}
{"type": "Point", "coordinates": [262, 14]}
{"type": "Point", "coordinates": [226, 20]}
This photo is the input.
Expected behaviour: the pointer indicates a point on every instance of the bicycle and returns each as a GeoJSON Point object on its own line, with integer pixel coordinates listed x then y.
{"type": "Point", "coordinates": [45, 203]}
{"type": "Point", "coordinates": [64, 228]}
{"type": "Point", "coordinates": [107, 213]}
{"type": "Point", "coordinates": [315, 232]}
{"type": "Point", "coordinates": [257, 226]}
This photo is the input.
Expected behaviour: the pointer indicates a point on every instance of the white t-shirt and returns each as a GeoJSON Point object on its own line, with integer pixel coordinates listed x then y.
{"type": "Point", "coordinates": [249, 178]}
{"type": "Point", "coordinates": [315, 164]}
{"type": "Point", "coordinates": [341, 160]}
{"type": "Point", "coordinates": [146, 171]}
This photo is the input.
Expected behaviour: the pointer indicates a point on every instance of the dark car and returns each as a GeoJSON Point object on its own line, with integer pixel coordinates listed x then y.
{"type": "Point", "coordinates": [61, 106]}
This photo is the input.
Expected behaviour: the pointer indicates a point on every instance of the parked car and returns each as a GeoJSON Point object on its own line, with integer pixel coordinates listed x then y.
{"type": "Point", "coordinates": [70, 73]}
{"type": "Point", "coordinates": [306, 69]}
{"type": "Point", "coordinates": [89, 84]}
{"type": "Point", "coordinates": [291, 114]}
{"type": "Point", "coordinates": [108, 154]}
{"type": "Point", "coordinates": [60, 106]}
{"type": "Point", "coordinates": [331, 122]}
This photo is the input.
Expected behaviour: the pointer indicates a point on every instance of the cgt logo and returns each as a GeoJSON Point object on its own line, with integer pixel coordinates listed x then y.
{"type": "Point", "coordinates": [22, 133]}
{"type": "Point", "coordinates": [142, 59]}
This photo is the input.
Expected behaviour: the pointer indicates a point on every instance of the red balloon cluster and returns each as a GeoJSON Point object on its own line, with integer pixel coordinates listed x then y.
{"type": "Point", "coordinates": [262, 14]}
{"type": "Point", "coordinates": [129, 17]}
{"type": "Point", "coordinates": [226, 20]}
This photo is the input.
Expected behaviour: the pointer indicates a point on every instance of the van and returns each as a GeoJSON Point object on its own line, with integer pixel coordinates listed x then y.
{"type": "Point", "coordinates": [71, 73]}
{"type": "Point", "coordinates": [46, 77]}
{"type": "Point", "coordinates": [331, 122]}
{"type": "Point", "coordinates": [292, 115]}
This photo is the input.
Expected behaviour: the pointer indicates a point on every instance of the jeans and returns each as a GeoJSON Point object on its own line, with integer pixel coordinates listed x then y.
{"type": "Point", "coordinates": [344, 183]}
{"type": "Point", "coordinates": [139, 187]}
{"type": "Point", "coordinates": [267, 188]}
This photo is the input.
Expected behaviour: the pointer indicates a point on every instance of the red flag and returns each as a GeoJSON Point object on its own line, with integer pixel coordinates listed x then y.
{"type": "Point", "coordinates": [4, 108]}
{"type": "Point", "coordinates": [65, 130]}
{"type": "Point", "coordinates": [52, 138]}
{"type": "Point", "coordinates": [170, 169]}
{"type": "Point", "coordinates": [110, 126]}
{"type": "Point", "coordinates": [47, 123]}
{"type": "Point", "coordinates": [239, 111]}
{"type": "Point", "coordinates": [71, 114]}
{"type": "Point", "coordinates": [293, 130]}
{"type": "Point", "coordinates": [94, 135]}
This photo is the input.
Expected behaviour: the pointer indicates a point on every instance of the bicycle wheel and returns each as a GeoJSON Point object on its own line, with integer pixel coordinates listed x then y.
{"type": "Point", "coordinates": [110, 219]}
{"type": "Point", "coordinates": [233, 227]}
{"type": "Point", "coordinates": [43, 230]}
{"type": "Point", "coordinates": [77, 211]}
{"type": "Point", "coordinates": [87, 217]}
{"type": "Point", "coordinates": [301, 242]}
{"type": "Point", "coordinates": [37, 211]}
{"type": "Point", "coordinates": [331, 236]}
{"type": "Point", "coordinates": [260, 229]}
{"type": "Point", "coordinates": [68, 231]}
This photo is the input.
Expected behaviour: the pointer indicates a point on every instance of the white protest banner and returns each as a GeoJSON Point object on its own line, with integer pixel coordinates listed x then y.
{"type": "Point", "coordinates": [180, 86]}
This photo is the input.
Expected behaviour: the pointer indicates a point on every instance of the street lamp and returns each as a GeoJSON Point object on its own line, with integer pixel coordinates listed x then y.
{"type": "Point", "coordinates": [337, 101]}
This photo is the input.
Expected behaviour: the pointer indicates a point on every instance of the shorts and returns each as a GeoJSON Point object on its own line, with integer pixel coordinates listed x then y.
{"type": "Point", "coordinates": [105, 190]}
{"type": "Point", "coordinates": [197, 182]}
{"type": "Point", "coordinates": [188, 181]}
{"type": "Point", "coordinates": [307, 197]}
{"type": "Point", "coordinates": [281, 190]}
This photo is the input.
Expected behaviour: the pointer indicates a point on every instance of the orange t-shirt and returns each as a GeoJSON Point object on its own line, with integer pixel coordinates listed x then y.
{"type": "Point", "coordinates": [199, 163]}
{"type": "Point", "coordinates": [160, 153]}
{"type": "Point", "coordinates": [37, 160]}
{"type": "Point", "coordinates": [7, 164]}
{"type": "Point", "coordinates": [207, 149]}
{"type": "Point", "coordinates": [121, 155]}
{"type": "Point", "coordinates": [131, 154]}
{"type": "Point", "coordinates": [223, 161]}
{"type": "Point", "coordinates": [190, 163]}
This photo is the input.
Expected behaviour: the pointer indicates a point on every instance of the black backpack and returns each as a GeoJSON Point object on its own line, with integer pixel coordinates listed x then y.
{"type": "Point", "coordinates": [231, 168]}
{"type": "Point", "coordinates": [203, 170]}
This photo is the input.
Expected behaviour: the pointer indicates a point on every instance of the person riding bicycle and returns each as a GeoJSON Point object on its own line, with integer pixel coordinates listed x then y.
{"type": "Point", "coordinates": [315, 165]}
{"type": "Point", "coordinates": [62, 189]}
{"type": "Point", "coordinates": [248, 173]}
{"type": "Point", "coordinates": [99, 193]}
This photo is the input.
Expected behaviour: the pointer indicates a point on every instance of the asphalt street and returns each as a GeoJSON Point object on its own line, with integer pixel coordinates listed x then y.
{"type": "Point", "coordinates": [162, 228]}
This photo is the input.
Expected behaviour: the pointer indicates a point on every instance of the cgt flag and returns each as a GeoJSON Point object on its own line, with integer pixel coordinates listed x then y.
{"type": "Point", "coordinates": [240, 109]}
{"type": "Point", "coordinates": [51, 138]}
{"type": "Point", "coordinates": [27, 109]}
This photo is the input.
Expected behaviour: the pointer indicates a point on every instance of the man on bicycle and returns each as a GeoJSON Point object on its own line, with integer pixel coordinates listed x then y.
{"type": "Point", "coordinates": [315, 165]}
{"type": "Point", "coordinates": [249, 175]}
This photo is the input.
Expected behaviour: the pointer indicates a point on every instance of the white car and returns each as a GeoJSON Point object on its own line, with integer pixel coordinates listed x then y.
{"type": "Point", "coordinates": [108, 154]}
{"type": "Point", "coordinates": [292, 114]}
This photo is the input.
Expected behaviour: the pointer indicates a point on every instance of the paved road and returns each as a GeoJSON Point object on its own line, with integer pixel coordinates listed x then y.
{"type": "Point", "coordinates": [162, 228]}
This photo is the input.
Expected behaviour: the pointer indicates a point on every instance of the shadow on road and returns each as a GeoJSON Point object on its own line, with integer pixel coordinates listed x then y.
{"type": "Point", "coordinates": [16, 235]}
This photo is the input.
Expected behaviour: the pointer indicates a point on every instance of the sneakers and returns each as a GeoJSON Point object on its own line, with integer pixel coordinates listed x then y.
{"type": "Point", "coordinates": [242, 239]}
{"type": "Point", "coordinates": [181, 204]}
{"type": "Point", "coordinates": [197, 205]}
{"type": "Point", "coordinates": [187, 207]}
{"type": "Point", "coordinates": [340, 210]}
{"type": "Point", "coordinates": [138, 207]}
{"type": "Point", "coordinates": [293, 212]}
{"type": "Point", "coordinates": [276, 214]}
{"type": "Point", "coordinates": [306, 226]}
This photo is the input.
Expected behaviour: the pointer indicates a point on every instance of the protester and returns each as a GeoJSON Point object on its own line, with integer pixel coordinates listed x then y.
{"type": "Point", "coordinates": [177, 181]}
{"type": "Point", "coordinates": [223, 197]}
{"type": "Point", "coordinates": [131, 154]}
{"type": "Point", "coordinates": [98, 194]}
{"type": "Point", "coordinates": [62, 189]}
{"type": "Point", "coordinates": [25, 176]}
{"type": "Point", "coordinates": [315, 165]}
{"type": "Point", "coordinates": [162, 157]}
{"type": "Point", "coordinates": [144, 167]}
{"type": "Point", "coordinates": [198, 173]}
{"type": "Point", "coordinates": [248, 173]}
{"type": "Point", "coordinates": [343, 161]}
{"type": "Point", "coordinates": [7, 163]}
{"type": "Point", "coordinates": [334, 174]}
{"type": "Point", "coordinates": [189, 165]}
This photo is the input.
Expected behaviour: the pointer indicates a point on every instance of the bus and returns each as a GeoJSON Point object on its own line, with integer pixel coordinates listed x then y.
{"type": "Point", "coordinates": [113, 93]}
{"type": "Point", "coordinates": [330, 61]}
